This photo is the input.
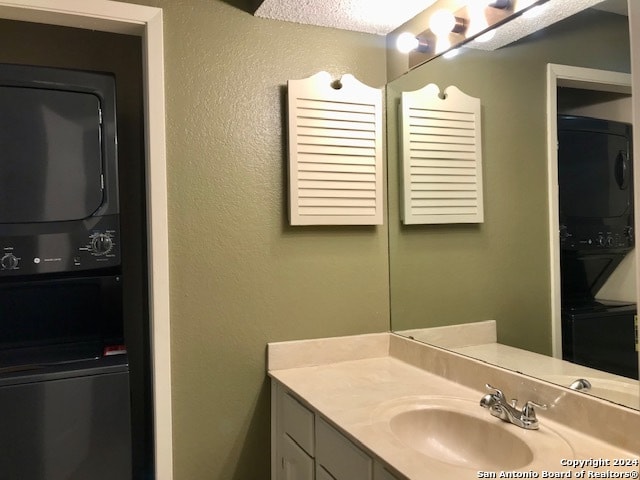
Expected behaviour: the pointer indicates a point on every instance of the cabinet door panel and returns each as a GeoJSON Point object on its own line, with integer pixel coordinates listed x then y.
{"type": "Point", "coordinates": [381, 473]}
{"type": "Point", "coordinates": [322, 474]}
{"type": "Point", "coordinates": [295, 463]}
{"type": "Point", "coordinates": [297, 422]}
{"type": "Point", "coordinates": [339, 456]}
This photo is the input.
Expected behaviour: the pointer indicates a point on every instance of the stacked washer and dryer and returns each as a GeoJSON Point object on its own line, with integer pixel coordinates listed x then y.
{"type": "Point", "coordinates": [64, 375]}
{"type": "Point", "coordinates": [595, 183]}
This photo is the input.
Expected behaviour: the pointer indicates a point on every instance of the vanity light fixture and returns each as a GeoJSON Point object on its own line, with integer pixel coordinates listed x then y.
{"type": "Point", "coordinates": [407, 42]}
{"type": "Point", "coordinates": [443, 22]}
{"type": "Point", "coordinates": [447, 27]}
{"type": "Point", "coordinates": [501, 4]}
{"type": "Point", "coordinates": [475, 20]}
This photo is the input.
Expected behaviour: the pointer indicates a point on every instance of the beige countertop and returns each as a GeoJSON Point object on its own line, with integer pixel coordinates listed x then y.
{"type": "Point", "coordinates": [357, 382]}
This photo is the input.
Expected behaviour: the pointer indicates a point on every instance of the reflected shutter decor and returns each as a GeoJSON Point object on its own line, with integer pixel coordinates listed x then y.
{"type": "Point", "coordinates": [335, 152]}
{"type": "Point", "coordinates": [441, 157]}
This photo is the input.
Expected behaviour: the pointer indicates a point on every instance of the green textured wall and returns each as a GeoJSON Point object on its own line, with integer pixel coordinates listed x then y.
{"type": "Point", "coordinates": [447, 274]}
{"type": "Point", "coordinates": [240, 276]}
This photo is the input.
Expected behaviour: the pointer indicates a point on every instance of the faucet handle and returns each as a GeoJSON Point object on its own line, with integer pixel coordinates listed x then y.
{"type": "Point", "coordinates": [496, 391]}
{"type": "Point", "coordinates": [500, 395]}
{"type": "Point", "coordinates": [528, 418]}
{"type": "Point", "coordinates": [528, 411]}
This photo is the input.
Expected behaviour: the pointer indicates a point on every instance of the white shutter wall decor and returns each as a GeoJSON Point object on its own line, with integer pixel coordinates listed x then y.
{"type": "Point", "coordinates": [335, 152]}
{"type": "Point", "coordinates": [441, 157]}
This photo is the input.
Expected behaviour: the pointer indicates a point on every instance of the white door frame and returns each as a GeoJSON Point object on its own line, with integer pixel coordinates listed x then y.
{"type": "Point", "coordinates": [634, 32]}
{"type": "Point", "coordinates": [146, 22]}
{"type": "Point", "coordinates": [575, 77]}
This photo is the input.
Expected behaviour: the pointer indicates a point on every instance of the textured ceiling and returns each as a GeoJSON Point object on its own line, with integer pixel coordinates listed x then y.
{"type": "Point", "coordinates": [369, 16]}
{"type": "Point", "coordinates": [373, 16]}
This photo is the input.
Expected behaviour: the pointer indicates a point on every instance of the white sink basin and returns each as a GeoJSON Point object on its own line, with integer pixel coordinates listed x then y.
{"type": "Point", "coordinates": [461, 433]}
{"type": "Point", "coordinates": [461, 439]}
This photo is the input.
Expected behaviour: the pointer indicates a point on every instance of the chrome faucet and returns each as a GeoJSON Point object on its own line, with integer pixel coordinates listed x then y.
{"type": "Point", "coordinates": [497, 405]}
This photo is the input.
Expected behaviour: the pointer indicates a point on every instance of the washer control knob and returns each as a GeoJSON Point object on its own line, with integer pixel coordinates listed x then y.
{"type": "Point", "coordinates": [101, 244]}
{"type": "Point", "coordinates": [564, 234]}
{"type": "Point", "coordinates": [9, 262]}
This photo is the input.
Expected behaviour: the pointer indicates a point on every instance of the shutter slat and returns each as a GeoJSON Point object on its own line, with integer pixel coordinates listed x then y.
{"type": "Point", "coordinates": [335, 142]}
{"type": "Point", "coordinates": [338, 202]}
{"type": "Point", "coordinates": [329, 167]}
{"type": "Point", "coordinates": [328, 185]}
{"type": "Point", "coordinates": [417, 146]}
{"type": "Point", "coordinates": [416, 114]}
{"type": "Point", "coordinates": [327, 193]}
{"type": "Point", "coordinates": [336, 133]}
{"type": "Point", "coordinates": [337, 176]}
{"type": "Point", "coordinates": [325, 105]}
{"type": "Point", "coordinates": [336, 150]}
{"type": "Point", "coordinates": [441, 140]}
{"type": "Point", "coordinates": [337, 159]}
{"type": "Point", "coordinates": [339, 211]}
{"type": "Point", "coordinates": [418, 194]}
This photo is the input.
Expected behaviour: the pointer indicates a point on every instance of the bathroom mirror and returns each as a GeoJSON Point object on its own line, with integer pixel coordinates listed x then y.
{"type": "Point", "coordinates": [500, 269]}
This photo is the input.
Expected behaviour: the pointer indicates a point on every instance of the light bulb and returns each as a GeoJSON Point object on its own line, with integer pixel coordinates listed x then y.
{"type": "Point", "coordinates": [477, 19]}
{"type": "Point", "coordinates": [442, 22]}
{"type": "Point", "coordinates": [407, 42]}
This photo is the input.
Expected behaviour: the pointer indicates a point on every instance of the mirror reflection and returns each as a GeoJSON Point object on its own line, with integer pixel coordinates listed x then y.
{"type": "Point", "coordinates": [502, 270]}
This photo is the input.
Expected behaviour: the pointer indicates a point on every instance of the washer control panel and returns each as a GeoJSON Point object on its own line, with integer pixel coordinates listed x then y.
{"type": "Point", "coordinates": [86, 247]}
{"type": "Point", "coordinates": [596, 238]}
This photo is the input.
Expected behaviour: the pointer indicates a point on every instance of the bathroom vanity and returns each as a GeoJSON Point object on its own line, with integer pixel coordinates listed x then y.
{"type": "Point", "coordinates": [384, 407]}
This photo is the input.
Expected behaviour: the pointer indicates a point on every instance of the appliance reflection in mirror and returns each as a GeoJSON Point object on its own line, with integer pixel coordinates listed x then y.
{"type": "Point", "coordinates": [479, 340]}
{"type": "Point", "coordinates": [441, 157]}
{"type": "Point", "coordinates": [335, 152]}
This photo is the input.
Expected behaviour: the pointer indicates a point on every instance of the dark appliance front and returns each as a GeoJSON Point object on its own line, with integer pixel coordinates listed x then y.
{"type": "Point", "coordinates": [64, 373]}
{"type": "Point", "coordinates": [595, 181]}
{"type": "Point", "coordinates": [66, 422]}
{"type": "Point", "coordinates": [601, 335]}
{"type": "Point", "coordinates": [58, 171]}
{"type": "Point", "coordinates": [57, 321]}
{"type": "Point", "coordinates": [596, 232]}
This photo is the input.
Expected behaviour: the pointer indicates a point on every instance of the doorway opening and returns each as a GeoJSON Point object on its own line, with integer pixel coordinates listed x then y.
{"type": "Point", "coordinates": [145, 23]}
{"type": "Point", "coordinates": [580, 95]}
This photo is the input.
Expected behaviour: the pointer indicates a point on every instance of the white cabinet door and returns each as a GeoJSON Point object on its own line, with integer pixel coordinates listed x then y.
{"type": "Point", "coordinates": [295, 464]}
{"type": "Point", "coordinates": [339, 456]}
{"type": "Point", "coordinates": [292, 437]}
{"type": "Point", "coordinates": [297, 422]}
